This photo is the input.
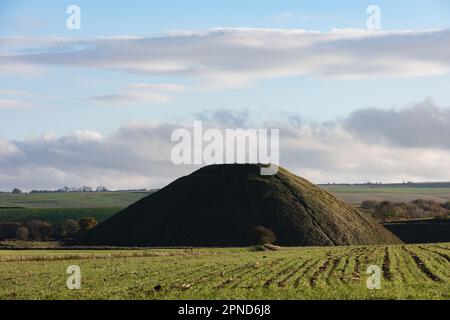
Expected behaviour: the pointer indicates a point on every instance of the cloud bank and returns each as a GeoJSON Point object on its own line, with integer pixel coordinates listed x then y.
{"type": "Point", "coordinates": [234, 57]}
{"type": "Point", "coordinates": [369, 145]}
{"type": "Point", "coordinates": [423, 125]}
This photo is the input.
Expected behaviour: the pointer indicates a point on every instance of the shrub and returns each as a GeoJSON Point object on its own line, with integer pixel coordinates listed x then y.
{"type": "Point", "coordinates": [57, 231]}
{"type": "Point", "coordinates": [71, 227]}
{"type": "Point", "coordinates": [386, 209]}
{"type": "Point", "coordinates": [68, 228]}
{"type": "Point", "coordinates": [46, 231]}
{"type": "Point", "coordinates": [419, 208]}
{"type": "Point", "coordinates": [87, 224]}
{"type": "Point", "coordinates": [446, 205]}
{"type": "Point", "coordinates": [39, 230]}
{"type": "Point", "coordinates": [8, 230]}
{"type": "Point", "coordinates": [22, 233]}
{"type": "Point", "coordinates": [369, 204]}
{"type": "Point", "coordinates": [263, 235]}
{"type": "Point", "coordinates": [430, 207]}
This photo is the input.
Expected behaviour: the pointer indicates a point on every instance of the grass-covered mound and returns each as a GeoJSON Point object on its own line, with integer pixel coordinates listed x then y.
{"type": "Point", "coordinates": [220, 205]}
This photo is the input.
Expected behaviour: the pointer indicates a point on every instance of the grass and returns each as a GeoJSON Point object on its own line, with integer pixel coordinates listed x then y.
{"type": "Point", "coordinates": [408, 272]}
{"type": "Point", "coordinates": [357, 189]}
{"type": "Point", "coordinates": [57, 207]}
{"type": "Point", "coordinates": [357, 194]}
{"type": "Point", "coordinates": [70, 199]}
{"type": "Point", "coordinates": [55, 215]}
{"type": "Point", "coordinates": [15, 244]}
{"type": "Point", "coordinates": [352, 194]}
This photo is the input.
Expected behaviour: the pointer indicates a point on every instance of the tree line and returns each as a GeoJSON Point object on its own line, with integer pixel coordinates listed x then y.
{"type": "Point", "coordinates": [63, 189]}
{"type": "Point", "coordinates": [37, 230]}
{"type": "Point", "coordinates": [390, 211]}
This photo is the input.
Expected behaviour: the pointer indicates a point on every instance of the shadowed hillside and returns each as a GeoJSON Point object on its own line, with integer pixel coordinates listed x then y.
{"type": "Point", "coordinates": [220, 205]}
{"type": "Point", "coordinates": [421, 231]}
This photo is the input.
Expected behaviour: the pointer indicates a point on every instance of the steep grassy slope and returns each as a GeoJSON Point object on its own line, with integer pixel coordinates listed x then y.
{"type": "Point", "coordinates": [219, 205]}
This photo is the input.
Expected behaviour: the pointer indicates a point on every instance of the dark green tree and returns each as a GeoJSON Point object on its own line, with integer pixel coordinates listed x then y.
{"type": "Point", "coordinates": [87, 224]}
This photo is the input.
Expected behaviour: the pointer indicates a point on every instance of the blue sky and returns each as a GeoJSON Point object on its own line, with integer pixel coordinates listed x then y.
{"type": "Point", "coordinates": [168, 62]}
{"type": "Point", "coordinates": [106, 18]}
{"type": "Point", "coordinates": [299, 95]}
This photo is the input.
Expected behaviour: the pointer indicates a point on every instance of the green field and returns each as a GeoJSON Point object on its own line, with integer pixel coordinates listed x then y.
{"type": "Point", "coordinates": [70, 199]}
{"type": "Point", "coordinates": [55, 215]}
{"type": "Point", "coordinates": [57, 207]}
{"type": "Point", "coordinates": [123, 199]}
{"type": "Point", "coordinates": [357, 194]}
{"type": "Point", "coordinates": [408, 272]}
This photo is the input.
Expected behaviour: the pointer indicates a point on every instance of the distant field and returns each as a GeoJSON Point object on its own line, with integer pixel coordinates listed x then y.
{"type": "Point", "coordinates": [357, 194]}
{"type": "Point", "coordinates": [351, 194]}
{"type": "Point", "coordinates": [408, 272]}
{"type": "Point", "coordinates": [70, 199]}
{"type": "Point", "coordinates": [56, 215]}
{"type": "Point", "coordinates": [57, 207]}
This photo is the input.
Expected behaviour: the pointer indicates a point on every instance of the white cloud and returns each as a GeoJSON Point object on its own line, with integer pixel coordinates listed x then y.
{"type": "Point", "coordinates": [239, 56]}
{"type": "Point", "coordinates": [422, 125]}
{"type": "Point", "coordinates": [13, 104]}
{"type": "Point", "coordinates": [142, 92]}
{"type": "Point", "coordinates": [225, 118]}
{"type": "Point", "coordinates": [335, 155]}
{"type": "Point", "coordinates": [8, 149]}
{"type": "Point", "coordinates": [160, 87]}
{"type": "Point", "coordinates": [86, 136]}
{"type": "Point", "coordinates": [138, 155]}
{"type": "Point", "coordinates": [130, 97]}
{"type": "Point", "coordinates": [24, 69]}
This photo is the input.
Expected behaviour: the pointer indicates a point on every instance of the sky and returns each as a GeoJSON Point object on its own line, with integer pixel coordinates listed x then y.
{"type": "Point", "coordinates": [354, 105]}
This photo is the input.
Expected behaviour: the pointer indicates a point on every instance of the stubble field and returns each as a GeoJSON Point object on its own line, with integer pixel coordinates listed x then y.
{"type": "Point", "coordinates": [407, 272]}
